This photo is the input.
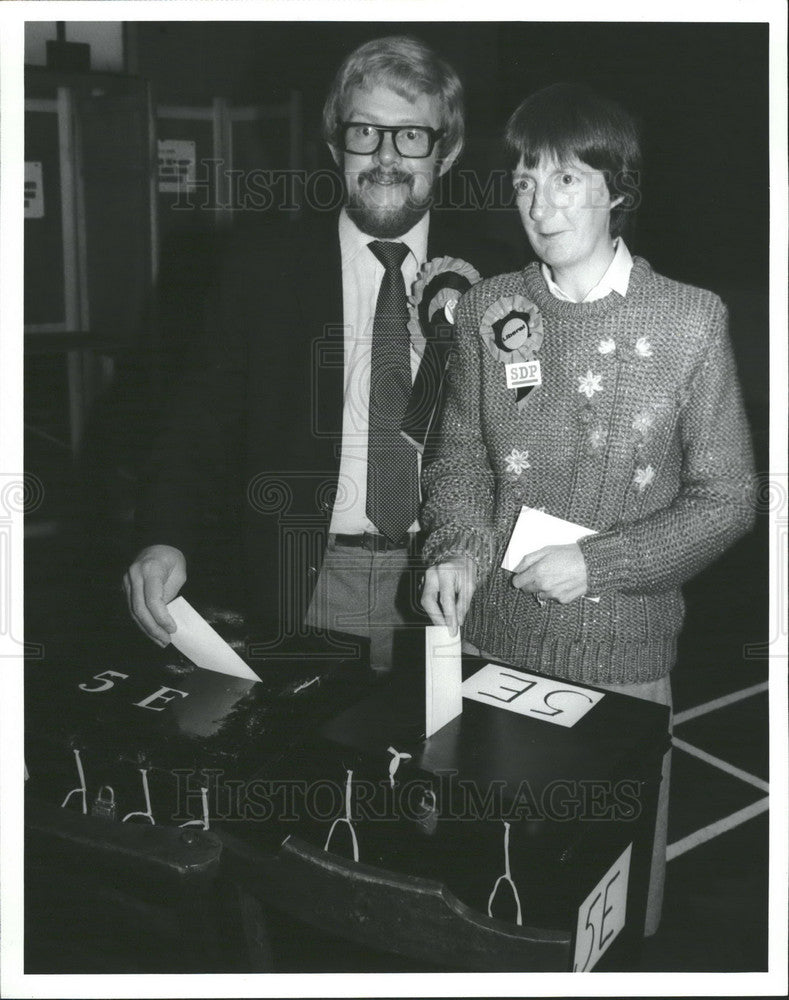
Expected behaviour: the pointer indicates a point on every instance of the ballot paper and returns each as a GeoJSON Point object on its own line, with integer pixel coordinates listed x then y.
{"type": "Point", "coordinates": [443, 678]}
{"type": "Point", "coordinates": [195, 638]}
{"type": "Point", "coordinates": [535, 529]}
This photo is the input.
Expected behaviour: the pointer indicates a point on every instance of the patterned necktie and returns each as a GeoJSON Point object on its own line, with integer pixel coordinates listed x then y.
{"type": "Point", "coordinates": [392, 476]}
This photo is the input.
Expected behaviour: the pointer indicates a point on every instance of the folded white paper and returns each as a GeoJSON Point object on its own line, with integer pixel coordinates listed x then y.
{"type": "Point", "coordinates": [443, 678]}
{"type": "Point", "coordinates": [196, 639]}
{"type": "Point", "coordinates": [535, 529]}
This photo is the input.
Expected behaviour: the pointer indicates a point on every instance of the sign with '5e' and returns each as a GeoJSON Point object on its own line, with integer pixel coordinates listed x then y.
{"type": "Point", "coordinates": [541, 698]}
{"type": "Point", "coordinates": [602, 914]}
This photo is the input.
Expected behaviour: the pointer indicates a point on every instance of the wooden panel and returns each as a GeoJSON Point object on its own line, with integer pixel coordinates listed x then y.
{"type": "Point", "coordinates": [402, 914]}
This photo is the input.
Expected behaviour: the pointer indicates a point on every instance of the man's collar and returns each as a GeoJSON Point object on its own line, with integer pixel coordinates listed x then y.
{"type": "Point", "coordinates": [353, 241]}
{"type": "Point", "coordinates": [615, 279]}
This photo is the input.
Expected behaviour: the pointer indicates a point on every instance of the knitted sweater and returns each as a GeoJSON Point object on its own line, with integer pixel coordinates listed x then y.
{"type": "Point", "coordinates": [637, 431]}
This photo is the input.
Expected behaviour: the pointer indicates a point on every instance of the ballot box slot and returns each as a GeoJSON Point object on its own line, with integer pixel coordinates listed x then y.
{"type": "Point", "coordinates": [147, 723]}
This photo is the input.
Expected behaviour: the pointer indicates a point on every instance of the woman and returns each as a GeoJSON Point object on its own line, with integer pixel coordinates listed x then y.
{"type": "Point", "coordinates": [632, 427]}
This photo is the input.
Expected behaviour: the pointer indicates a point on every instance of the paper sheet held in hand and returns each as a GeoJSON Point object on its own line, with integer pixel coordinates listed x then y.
{"type": "Point", "coordinates": [535, 529]}
{"type": "Point", "coordinates": [196, 639]}
{"type": "Point", "coordinates": [443, 678]}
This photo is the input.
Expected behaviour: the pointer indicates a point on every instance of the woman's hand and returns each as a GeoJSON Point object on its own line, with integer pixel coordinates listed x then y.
{"type": "Point", "coordinates": [556, 572]}
{"type": "Point", "coordinates": [447, 591]}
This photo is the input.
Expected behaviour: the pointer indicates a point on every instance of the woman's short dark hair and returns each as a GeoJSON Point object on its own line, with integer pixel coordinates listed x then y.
{"type": "Point", "coordinates": [566, 122]}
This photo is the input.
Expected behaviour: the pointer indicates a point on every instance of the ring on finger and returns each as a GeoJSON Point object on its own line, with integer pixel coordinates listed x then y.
{"type": "Point", "coordinates": [539, 597]}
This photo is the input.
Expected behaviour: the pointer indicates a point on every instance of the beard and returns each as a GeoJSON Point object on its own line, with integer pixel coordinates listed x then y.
{"type": "Point", "coordinates": [381, 210]}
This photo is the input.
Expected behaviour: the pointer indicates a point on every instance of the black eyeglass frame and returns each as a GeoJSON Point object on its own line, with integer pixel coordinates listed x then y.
{"type": "Point", "coordinates": [434, 134]}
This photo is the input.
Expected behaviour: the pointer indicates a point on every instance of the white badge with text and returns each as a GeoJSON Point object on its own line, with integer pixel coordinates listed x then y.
{"type": "Point", "coordinates": [553, 701]}
{"type": "Point", "coordinates": [521, 374]}
{"type": "Point", "coordinates": [602, 914]}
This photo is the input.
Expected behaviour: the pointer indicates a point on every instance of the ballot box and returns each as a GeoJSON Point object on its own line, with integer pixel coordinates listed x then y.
{"type": "Point", "coordinates": [516, 837]}
{"type": "Point", "coordinates": [172, 812]}
{"type": "Point", "coordinates": [135, 760]}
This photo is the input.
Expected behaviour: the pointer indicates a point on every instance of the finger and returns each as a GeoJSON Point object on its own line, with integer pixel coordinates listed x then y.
{"type": "Point", "coordinates": [429, 599]}
{"type": "Point", "coordinates": [127, 587]}
{"type": "Point", "coordinates": [528, 581]}
{"type": "Point", "coordinates": [141, 613]}
{"type": "Point", "coordinates": [568, 594]}
{"type": "Point", "coordinates": [447, 588]}
{"type": "Point", "coordinates": [153, 589]}
{"type": "Point", "coordinates": [530, 559]}
{"type": "Point", "coordinates": [465, 594]}
{"type": "Point", "coordinates": [143, 620]}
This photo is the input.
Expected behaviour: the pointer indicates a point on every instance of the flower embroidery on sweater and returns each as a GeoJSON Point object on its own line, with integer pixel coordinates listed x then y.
{"type": "Point", "coordinates": [607, 346]}
{"type": "Point", "coordinates": [517, 461]}
{"type": "Point", "coordinates": [643, 348]}
{"type": "Point", "coordinates": [590, 383]}
{"type": "Point", "coordinates": [643, 477]}
{"type": "Point", "coordinates": [643, 422]}
{"type": "Point", "coordinates": [596, 439]}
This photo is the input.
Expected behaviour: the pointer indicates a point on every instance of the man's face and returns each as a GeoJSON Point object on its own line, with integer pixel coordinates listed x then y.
{"type": "Point", "coordinates": [388, 193]}
{"type": "Point", "coordinates": [566, 212]}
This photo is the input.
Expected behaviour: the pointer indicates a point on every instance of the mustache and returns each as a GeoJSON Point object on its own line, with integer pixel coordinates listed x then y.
{"type": "Point", "coordinates": [378, 176]}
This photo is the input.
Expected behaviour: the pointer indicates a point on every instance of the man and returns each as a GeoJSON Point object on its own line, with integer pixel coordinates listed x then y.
{"type": "Point", "coordinates": [310, 373]}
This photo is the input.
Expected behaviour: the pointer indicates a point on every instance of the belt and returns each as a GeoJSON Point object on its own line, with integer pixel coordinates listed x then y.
{"type": "Point", "coordinates": [376, 543]}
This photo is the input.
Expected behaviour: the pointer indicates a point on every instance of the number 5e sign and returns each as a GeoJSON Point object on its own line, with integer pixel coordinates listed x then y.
{"type": "Point", "coordinates": [602, 914]}
{"type": "Point", "coordinates": [538, 697]}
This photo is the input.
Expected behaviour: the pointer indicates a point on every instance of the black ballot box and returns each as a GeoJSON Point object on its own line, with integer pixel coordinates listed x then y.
{"type": "Point", "coordinates": [135, 763]}
{"type": "Point", "coordinates": [175, 816]}
{"type": "Point", "coordinates": [543, 791]}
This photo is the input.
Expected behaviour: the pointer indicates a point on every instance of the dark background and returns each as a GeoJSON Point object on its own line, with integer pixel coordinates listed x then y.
{"type": "Point", "coordinates": [699, 90]}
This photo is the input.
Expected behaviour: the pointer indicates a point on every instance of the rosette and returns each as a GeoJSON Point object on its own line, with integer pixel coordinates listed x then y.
{"type": "Point", "coordinates": [512, 329]}
{"type": "Point", "coordinates": [435, 295]}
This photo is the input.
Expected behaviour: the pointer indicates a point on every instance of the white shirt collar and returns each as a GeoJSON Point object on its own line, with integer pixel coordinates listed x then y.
{"type": "Point", "coordinates": [615, 279]}
{"type": "Point", "coordinates": [353, 241]}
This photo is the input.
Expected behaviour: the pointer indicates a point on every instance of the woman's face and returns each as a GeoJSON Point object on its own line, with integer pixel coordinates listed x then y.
{"type": "Point", "coordinates": [566, 212]}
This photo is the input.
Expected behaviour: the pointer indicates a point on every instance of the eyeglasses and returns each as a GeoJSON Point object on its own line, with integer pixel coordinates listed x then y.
{"type": "Point", "coordinates": [364, 139]}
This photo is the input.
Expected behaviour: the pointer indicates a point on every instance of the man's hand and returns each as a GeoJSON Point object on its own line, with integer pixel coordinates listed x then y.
{"type": "Point", "coordinates": [151, 582]}
{"type": "Point", "coordinates": [556, 572]}
{"type": "Point", "coordinates": [447, 592]}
